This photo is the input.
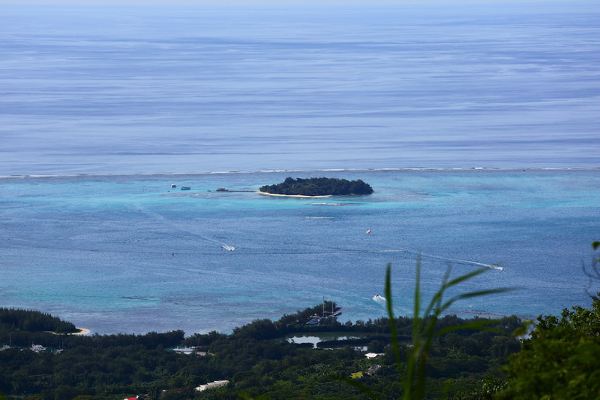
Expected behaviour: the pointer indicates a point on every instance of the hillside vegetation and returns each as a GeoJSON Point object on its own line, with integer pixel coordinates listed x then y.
{"type": "Point", "coordinates": [255, 358]}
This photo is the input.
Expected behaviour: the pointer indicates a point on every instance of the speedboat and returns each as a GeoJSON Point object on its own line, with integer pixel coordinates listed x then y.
{"type": "Point", "coordinates": [379, 299]}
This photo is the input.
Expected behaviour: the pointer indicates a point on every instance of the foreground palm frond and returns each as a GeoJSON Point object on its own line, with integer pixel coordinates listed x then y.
{"type": "Point", "coordinates": [424, 326]}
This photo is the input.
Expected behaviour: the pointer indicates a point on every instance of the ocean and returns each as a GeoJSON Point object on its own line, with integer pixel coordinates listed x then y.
{"type": "Point", "coordinates": [147, 90]}
{"type": "Point", "coordinates": [477, 127]}
{"type": "Point", "coordinates": [131, 254]}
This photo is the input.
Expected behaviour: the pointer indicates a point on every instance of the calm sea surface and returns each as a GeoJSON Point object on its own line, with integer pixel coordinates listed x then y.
{"type": "Point", "coordinates": [104, 99]}
{"type": "Point", "coordinates": [188, 90]}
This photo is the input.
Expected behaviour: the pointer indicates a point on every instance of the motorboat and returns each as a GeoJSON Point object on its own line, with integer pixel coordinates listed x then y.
{"type": "Point", "coordinates": [379, 299]}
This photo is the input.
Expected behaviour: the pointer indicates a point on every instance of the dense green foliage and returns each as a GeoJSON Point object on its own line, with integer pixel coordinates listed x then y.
{"type": "Point", "coordinates": [256, 358]}
{"type": "Point", "coordinates": [319, 187]}
{"type": "Point", "coordinates": [32, 321]}
{"type": "Point", "coordinates": [561, 360]}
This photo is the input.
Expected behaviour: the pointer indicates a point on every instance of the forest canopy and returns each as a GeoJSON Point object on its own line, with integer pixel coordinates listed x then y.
{"type": "Point", "coordinates": [32, 321]}
{"type": "Point", "coordinates": [257, 359]}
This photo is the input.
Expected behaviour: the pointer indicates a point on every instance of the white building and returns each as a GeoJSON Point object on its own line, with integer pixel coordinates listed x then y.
{"type": "Point", "coordinates": [37, 348]}
{"type": "Point", "coordinates": [212, 385]}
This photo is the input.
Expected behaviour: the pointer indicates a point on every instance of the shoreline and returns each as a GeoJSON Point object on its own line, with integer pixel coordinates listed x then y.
{"type": "Point", "coordinates": [297, 196]}
{"type": "Point", "coordinates": [81, 332]}
{"type": "Point", "coordinates": [464, 313]}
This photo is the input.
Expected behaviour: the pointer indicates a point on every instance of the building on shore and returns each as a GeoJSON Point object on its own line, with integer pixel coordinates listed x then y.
{"type": "Point", "coordinates": [212, 385]}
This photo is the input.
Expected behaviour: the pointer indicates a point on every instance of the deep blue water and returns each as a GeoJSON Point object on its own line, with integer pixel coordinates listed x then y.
{"type": "Point", "coordinates": [128, 254]}
{"type": "Point", "coordinates": [143, 90]}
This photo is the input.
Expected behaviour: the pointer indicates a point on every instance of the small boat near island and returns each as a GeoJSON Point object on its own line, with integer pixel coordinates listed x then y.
{"type": "Point", "coordinates": [326, 315]}
{"type": "Point", "coordinates": [225, 190]}
{"type": "Point", "coordinates": [379, 299]}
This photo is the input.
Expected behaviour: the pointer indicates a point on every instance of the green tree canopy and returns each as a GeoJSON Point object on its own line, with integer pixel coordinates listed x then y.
{"type": "Point", "coordinates": [319, 187]}
{"type": "Point", "coordinates": [561, 360]}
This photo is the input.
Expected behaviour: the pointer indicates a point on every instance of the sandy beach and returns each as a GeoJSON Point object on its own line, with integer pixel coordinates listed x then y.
{"type": "Point", "coordinates": [82, 332]}
{"type": "Point", "coordinates": [297, 196]}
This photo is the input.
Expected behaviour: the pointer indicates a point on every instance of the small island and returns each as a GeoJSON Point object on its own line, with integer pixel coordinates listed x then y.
{"type": "Point", "coordinates": [317, 187]}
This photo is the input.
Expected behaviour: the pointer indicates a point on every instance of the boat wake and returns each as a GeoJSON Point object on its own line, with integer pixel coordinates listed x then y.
{"type": "Point", "coordinates": [452, 260]}
{"type": "Point", "coordinates": [165, 221]}
{"type": "Point", "coordinates": [229, 247]}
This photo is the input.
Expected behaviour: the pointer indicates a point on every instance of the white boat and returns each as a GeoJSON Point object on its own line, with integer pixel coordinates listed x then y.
{"type": "Point", "coordinates": [227, 247]}
{"type": "Point", "coordinates": [379, 299]}
{"type": "Point", "coordinates": [369, 231]}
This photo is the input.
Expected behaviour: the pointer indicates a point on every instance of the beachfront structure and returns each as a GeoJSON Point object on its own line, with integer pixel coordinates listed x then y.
{"type": "Point", "coordinates": [37, 348]}
{"type": "Point", "coordinates": [191, 350]}
{"type": "Point", "coordinates": [184, 350]}
{"type": "Point", "coordinates": [373, 369]}
{"type": "Point", "coordinates": [212, 385]}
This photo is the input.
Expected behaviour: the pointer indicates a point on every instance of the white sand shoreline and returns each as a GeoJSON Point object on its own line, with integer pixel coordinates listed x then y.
{"type": "Point", "coordinates": [82, 332]}
{"type": "Point", "coordinates": [297, 196]}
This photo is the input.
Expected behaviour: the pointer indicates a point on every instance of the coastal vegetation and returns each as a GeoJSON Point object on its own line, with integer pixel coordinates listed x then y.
{"type": "Point", "coordinates": [562, 358]}
{"type": "Point", "coordinates": [15, 320]}
{"type": "Point", "coordinates": [256, 358]}
{"type": "Point", "coordinates": [318, 187]}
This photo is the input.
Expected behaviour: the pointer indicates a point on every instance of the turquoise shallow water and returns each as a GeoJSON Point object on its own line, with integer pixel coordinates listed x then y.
{"type": "Point", "coordinates": [128, 254]}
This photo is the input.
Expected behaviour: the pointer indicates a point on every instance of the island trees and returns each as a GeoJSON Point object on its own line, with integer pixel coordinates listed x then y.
{"type": "Point", "coordinates": [318, 187]}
